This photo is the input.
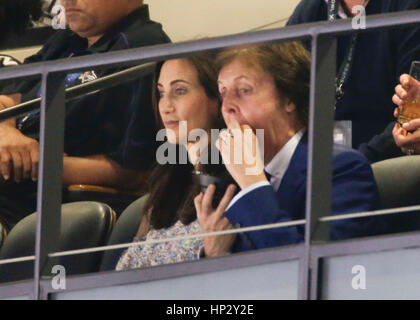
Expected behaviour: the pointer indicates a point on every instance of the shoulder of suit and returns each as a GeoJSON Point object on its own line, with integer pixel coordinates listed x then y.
{"type": "Point", "coordinates": [344, 154]}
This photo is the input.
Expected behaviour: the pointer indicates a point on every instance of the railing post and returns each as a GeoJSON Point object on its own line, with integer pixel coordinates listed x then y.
{"type": "Point", "coordinates": [321, 118]}
{"type": "Point", "coordinates": [50, 172]}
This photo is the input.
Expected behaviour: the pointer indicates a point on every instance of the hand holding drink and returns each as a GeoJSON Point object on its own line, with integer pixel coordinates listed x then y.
{"type": "Point", "coordinates": [407, 95]}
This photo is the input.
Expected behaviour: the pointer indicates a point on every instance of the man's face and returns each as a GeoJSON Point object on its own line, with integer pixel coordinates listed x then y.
{"type": "Point", "coordinates": [89, 18]}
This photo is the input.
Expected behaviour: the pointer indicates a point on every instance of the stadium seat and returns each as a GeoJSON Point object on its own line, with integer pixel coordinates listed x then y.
{"type": "Point", "coordinates": [3, 235]}
{"type": "Point", "coordinates": [117, 199]}
{"type": "Point", "coordinates": [124, 231]}
{"type": "Point", "coordinates": [398, 182]}
{"type": "Point", "coordinates": [83, 225]}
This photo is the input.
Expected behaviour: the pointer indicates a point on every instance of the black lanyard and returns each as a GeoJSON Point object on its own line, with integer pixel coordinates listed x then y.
{"type": "Point", "coordinates": [345, 67]}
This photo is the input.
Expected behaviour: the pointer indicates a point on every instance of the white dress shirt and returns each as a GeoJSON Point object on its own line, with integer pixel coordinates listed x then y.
{"type": "Point", "coordinates": [276, 167]}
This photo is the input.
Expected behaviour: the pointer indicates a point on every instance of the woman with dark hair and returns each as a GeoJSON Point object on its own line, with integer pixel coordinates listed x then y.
{"type": "Point", "coordinates": [187, 99]}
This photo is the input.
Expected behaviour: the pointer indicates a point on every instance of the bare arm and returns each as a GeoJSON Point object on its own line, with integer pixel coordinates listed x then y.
{"type": "Point", "coordinates": [100, 170]}
{"type": "Point", "coordinates": [7, 102]}
{"type": "Point", "coordinates": [18, 153]}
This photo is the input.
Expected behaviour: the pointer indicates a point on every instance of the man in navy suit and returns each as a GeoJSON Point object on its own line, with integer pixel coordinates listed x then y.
{"type": "Point", "coordinates": [268, 88]}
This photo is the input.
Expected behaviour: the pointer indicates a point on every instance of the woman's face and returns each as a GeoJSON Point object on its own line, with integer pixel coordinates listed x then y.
{"type": "Point", "coordinates": [250, 97]}
{"type": "Point", "coordinates": [182, 98]}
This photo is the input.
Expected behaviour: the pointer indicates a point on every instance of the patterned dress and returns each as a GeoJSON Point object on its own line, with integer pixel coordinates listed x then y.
{"type": "Point", "coordinates": [153, 254]}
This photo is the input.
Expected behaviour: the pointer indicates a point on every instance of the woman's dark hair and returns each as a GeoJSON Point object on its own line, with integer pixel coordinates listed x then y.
{"type": "Point", "coordinates": [289, 65]}
{"type": "Point", "coordinates": [16, 15]}
{"type": "Point", "coordinates": [173, 186]}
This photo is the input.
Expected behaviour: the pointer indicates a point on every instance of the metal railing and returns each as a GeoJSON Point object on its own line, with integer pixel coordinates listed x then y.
{"type": "Point", "coordinates": [324, 42]}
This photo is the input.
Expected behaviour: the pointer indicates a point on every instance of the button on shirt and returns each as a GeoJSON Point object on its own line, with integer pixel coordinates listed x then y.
{"type": "Point", "coordinates": [276, 168]}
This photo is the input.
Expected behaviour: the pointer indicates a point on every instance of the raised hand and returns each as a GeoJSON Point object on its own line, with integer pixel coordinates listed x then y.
{"type": "Point", "coordinates": [212, 220]}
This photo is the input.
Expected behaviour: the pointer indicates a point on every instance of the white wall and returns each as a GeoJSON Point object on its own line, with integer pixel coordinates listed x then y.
{"type": "Point", "coordinates": [191, 19]}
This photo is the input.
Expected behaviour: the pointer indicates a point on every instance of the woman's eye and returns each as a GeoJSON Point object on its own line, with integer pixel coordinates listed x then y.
{"type": "Point", "coordinates": [180, 91]}
{"type": "Point", "coordinates": [160, 94]}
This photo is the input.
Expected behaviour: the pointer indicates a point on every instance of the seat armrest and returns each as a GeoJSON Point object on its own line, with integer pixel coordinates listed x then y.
{"type": "Point", "coordinates": [117, 199]}
{"type": "Point", "coordinates": [101, 189]}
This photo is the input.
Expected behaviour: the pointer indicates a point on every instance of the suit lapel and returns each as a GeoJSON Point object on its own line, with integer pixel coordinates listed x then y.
{"type": "Point", "coordinates": [296, 172]}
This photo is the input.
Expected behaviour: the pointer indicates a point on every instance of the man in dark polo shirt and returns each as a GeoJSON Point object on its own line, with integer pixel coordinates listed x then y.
{"type": "Point", "coordinates": [110, 135]}
{"type": "Point", "coordinates": [379, 58]}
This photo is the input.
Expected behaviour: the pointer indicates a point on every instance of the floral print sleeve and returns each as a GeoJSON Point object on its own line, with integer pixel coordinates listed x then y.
{"type": "Point", "coordinates": [152, 254]}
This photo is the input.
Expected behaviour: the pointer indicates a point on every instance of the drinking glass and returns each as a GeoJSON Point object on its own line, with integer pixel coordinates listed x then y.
{"type": "Point", "coordinates": [410, 109]}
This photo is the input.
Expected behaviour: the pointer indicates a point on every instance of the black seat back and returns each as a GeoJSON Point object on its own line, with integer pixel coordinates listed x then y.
{"type": "Point", "coordinates": [124, 231]}
{"type": "Point", "coordinates": [3, 235]}
{"type": "Point", "coordinates": [83, 225]}
{"type": "Point", "coordinates": [398, 182]}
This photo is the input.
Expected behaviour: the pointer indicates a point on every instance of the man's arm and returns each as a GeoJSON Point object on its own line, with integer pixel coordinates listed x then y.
{"type": "Point", "coordinates": [7, 101]}
{"type": "Point", "coordinates": [259, 207]}
{"type": "Point", "coordinates": [100, 170]}
{"type": "Point", "coordinates": [354, 190]}
{"type": "Point", "coordinates": [19, 155]}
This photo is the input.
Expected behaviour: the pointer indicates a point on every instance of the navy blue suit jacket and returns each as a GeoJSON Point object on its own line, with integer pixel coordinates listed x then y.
{"type": "Point", "coordinates": [354, 190]}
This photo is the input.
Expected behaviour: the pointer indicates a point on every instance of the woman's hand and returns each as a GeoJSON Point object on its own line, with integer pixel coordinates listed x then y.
{"type": "Point", "coordinates": [212, 220]}
{"type": "Point", "coordinates": [241, 154]}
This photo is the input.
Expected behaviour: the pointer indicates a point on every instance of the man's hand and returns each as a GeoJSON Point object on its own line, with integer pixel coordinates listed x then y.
{"type": "Point", "coordinates": [212, 220]}
{"type": "Point", "coordinates": [407, 90]}
{"type": "Point", "coordinates": [19, 155]}
{"type": "Point", "coordinates": [241, 154]}
{"type": "Point", "coordinates": [407, 137]}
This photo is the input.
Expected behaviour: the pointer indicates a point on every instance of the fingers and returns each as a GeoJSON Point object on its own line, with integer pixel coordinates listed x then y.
{"type": "Point", "coordinates": [405, 80]}
{"type": "Point", "coordinates": [408, 81]}
{"type": "Point", "coordinates": [34, 164]}
{"type": "Point", "coordinates": [399, 135]}
{"type": "Point", "coordinates": [396, 129]}
{"type": "Point", "coordinates": [396, 100]}
{"type": "Point", "coordinates": [5, 164]}
{"type": "Point", "coordinates": [206, 205]}
{"type": "Point", "coordinates": [26, 164]}
{"type": "Point", "coordinates": [401, 92]}
{"type": "Point", "coordinates": [412, 125]}
{"type": "Point", "coordinates": [233, 124]}
{"type": "Point", "coordinates": [204, 208]}
{"type": "Point", "coordinates": [17, 165]}
{"type": "Point", "coordinates": [227, 198]}
{"type": "Point", "coordinates": [396, 110]}
{"type": "Point", "coordinates": [198, 203]}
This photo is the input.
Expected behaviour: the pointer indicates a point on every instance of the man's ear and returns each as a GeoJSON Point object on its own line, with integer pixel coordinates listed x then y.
{"type": "Point", "coordinates": [289, 106]}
